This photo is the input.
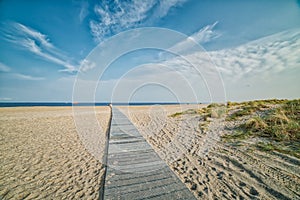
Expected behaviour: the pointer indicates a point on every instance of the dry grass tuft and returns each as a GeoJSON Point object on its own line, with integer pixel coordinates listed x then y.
{"type": "Point", "coordinates": [280, 126]}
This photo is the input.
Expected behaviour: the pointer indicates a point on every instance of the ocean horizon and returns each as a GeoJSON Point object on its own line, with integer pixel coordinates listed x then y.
{"type": "Point", "coordinates": [31, 104]}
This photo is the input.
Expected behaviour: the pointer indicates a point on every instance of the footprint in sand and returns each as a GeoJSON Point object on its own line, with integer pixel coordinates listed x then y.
{"type": "Point", "coordinates": [253, 191]}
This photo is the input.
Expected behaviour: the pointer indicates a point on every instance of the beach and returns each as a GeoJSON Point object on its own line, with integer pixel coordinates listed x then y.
{"type": "Point", "coordinates": [210, 167]}
{"type": "Point", "coordinates": [42, 155]}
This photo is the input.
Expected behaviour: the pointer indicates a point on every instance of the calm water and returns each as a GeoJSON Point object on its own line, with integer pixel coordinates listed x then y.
{"type": "Point", "coordinates": [29, 104]}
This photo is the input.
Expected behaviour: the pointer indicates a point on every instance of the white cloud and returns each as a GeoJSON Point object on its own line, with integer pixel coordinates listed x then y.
{"type": "Point", "coordinates": [166, 5]}
{"type": "Point", "coordinates": [28, 77]}
{"type": "Point", "coordinates": [206, 34]}
{"type": "Point", "coordinates": [119, 15]}
{"type": "Point", "coordinates": [30, 45]}
{"type": "Point", "coordinates": [86, 65]}
{"type": "Point", "coordinates": [190, 44]}
{"type": "Point", "coordinates": [266, 68]}
{"type": "Point", "coordinates": [5, 99]}
{"type": "Point", "coordinates": [265, 56]}
{"type": "Point", "coordinates": [43, 39]}
{"type": "Point", "coordinates": [258, 59]}
{"type": "Point", "coordinates": [83, 10]}
{"type": "Point", "coordinates": [4, 68]}
{"type": "Point", "coordinates": [39, 44]}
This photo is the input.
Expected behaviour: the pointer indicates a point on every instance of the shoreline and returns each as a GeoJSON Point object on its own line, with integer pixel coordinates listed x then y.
{"type": "Point", "coordinates": [70, 104]}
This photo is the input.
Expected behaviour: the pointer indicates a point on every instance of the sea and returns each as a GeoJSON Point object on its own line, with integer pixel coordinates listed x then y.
{"type": "Point", "coordinates": [30, 104]}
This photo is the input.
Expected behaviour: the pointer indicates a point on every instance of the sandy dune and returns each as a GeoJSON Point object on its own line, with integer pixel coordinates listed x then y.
{"type": "Point", "coordinates": [210, 168]}
{"type": "Point", "coordinates": [42, 156]}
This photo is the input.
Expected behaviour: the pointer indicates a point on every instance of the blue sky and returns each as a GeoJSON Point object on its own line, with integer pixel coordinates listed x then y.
{"type": "Point", "coordinates": [254, 44]}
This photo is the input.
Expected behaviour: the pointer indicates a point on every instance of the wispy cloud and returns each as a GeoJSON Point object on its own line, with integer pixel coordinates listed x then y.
{"type": "Point", "coordinates": [4, 68]}
{"type": "Point", "coordinates": [37, 36]}
{"type": "Point", "coordinates": [5, 99]}
{"type": "Point", "coordinates": [206, 34]}
{"type": "Point", "coordinates": [83, 10]}
{"type": "Point", "coordinates": [39, 44]}
{"type": "Point", "coordinates": [261, 58]}
{"type": "Point", "coordinates": [253, 70]}
{"type": "Point", "coordinates": [27, 77]}
{"type": "Point", "coordinates": [266, 56]}
{"type": "Point", "coordinates": [86, 65]}
{"type": "Point", "coordinates": [190, 44]}
{"type": "Point", "coordinates": [117, 16]}
{"type": "Point", "coordinates": [271, 54]}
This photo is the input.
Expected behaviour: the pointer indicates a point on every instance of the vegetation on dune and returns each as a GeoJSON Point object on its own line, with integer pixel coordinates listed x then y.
{"type": "Point", "coordinates": [240, 113]}
{"type": "Point", "coordinates": [256, 102]}
{"type": "Point", "coordinates": [285, 148]}
{"type": "Point", "coordinates": [176, 114]}
{"type": "Point", "coordinates": [189, 111]}
{"type": "Point", "coordinates": [250, 107]}
{"type": "Point", "coordinates": [236, 135]}
{"type": "Point", "coordinates": [280, 126]}
{"type": "Point", "coordinates": [213, 110]}
{"type": "Point", "coordinates": [275, 122]}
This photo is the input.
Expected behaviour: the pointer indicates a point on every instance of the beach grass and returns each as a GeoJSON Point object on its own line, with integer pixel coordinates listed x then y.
{"type": "Point", "coordinates": [276, 122]}
{"type": "Point", "coordinates": [278, 126]}
{"type": "Point", "coordinates": [189, 111]}
{"type": "Point", "coordinates": [213, 110]}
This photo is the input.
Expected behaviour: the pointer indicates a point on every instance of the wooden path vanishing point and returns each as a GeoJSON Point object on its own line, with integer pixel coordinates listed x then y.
{"type": "Point", "coordinates": [134, 170]}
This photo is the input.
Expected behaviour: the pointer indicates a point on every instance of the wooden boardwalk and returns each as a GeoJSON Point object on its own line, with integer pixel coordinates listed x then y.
{"type": "Point", "coordinates": [134, 170]}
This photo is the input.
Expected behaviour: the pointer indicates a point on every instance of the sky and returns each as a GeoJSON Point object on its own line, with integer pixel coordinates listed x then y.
{"type": "Point", "coordinates": [233, 50]}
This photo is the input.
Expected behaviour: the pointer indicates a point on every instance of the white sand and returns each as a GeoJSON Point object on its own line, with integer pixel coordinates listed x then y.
{"type": "Point", "coordinates": [42, 156]}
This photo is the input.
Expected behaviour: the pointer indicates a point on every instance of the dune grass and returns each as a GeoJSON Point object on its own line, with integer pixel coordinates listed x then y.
{"type": "Point", "coordinates": [250, 107]}
{"type": "Point", "coordinates": [256, 103]}
{"type": "Point", "coordinates": [189, 111]}
{"type": "Point", "coordinates": [236, 135]}
{"type": "Point", "coordinates": [176, 114]}
{"type": "Point", "coordinates": [280, 126]}
{"type": "Point", "coordinates": [213, 110]}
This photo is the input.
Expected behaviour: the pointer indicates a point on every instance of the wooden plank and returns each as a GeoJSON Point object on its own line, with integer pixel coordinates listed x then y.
{"type": "Point", "coordinates": [134, 170]}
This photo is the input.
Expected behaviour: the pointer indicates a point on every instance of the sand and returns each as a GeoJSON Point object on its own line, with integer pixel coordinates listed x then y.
{"type": "Point", "coordinates": [211, 168]}
{"type": "Point", "coordinates": [42, 156]}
